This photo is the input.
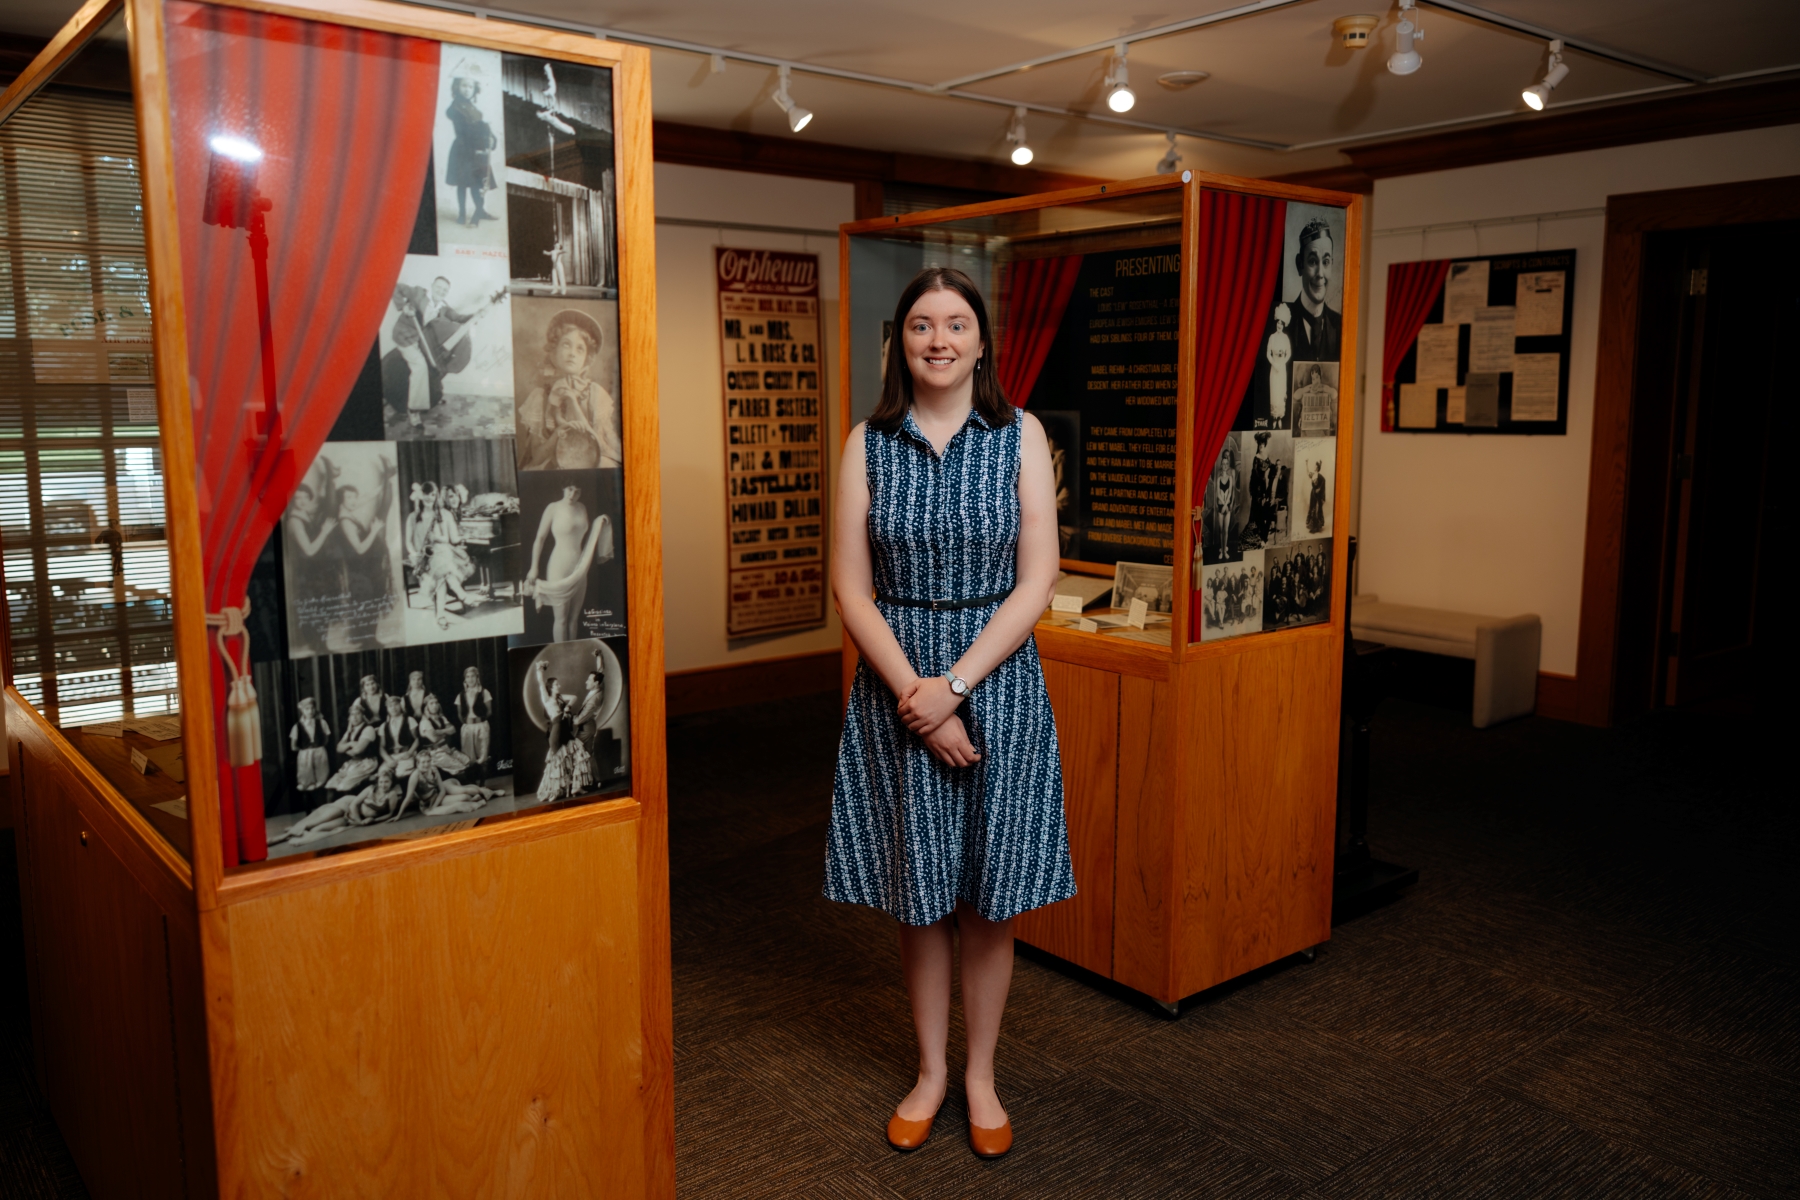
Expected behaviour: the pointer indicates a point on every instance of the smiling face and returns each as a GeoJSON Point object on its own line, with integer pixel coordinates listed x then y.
{"type": "Point", "coordinates": [570, 351]}
{"type": "Point", "coordinates": [440, 288]}
{"type": "Point", "coordinates": [942, 341]}
{"type": "Point", "coordinates": [472, 677]}
{"type": "Point", "coordinates": [1314, 263]}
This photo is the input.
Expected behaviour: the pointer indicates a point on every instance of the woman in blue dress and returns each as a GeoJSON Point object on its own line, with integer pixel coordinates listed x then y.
{"type": "Point", "coordinates": [947, 806]}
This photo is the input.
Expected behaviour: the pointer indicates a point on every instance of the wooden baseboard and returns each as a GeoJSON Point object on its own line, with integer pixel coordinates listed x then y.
{"type": "Point", "coordinates": [703, 689]}
{"type": "Point", "coordinates": [1557, 697]}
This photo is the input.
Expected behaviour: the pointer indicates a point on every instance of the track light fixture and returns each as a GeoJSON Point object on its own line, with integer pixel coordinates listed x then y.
{"type": "Point", "coordinates": [1538, 94]}
{"type": "Point", "coordinates": [1170, 161]}
{"type": "Point", "coordinates": [1021, 153]}
{"type": "Point", "coordinates": [1119, 96]}
{"type": "Point", "coordinates": [1405, 60]}
{"type": "Point", "coordinates": [798, 118]}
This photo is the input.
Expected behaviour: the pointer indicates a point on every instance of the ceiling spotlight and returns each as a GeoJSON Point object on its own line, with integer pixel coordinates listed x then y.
{"type": "Point", "coordinates": [1354, 31]}
{"type": "Point", "coordinates": [1171, 161]}
{"type": "Point", "coordinates": [1538, 94]}
{"type": "Point", "coordinates": [1405, 60]}
{"type": "Point", "coordinates": [1021, 153]}
{"type": "Point", "coordinates": [798, 118]}
{"type": "Point", "coordinates": [1119, 96]}
{"type": "Point", "coordinates": [1177, 81]}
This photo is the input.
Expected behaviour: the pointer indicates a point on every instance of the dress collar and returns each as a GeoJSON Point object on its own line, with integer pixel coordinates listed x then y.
{"type": "Point", "coordinates": [911, 428]}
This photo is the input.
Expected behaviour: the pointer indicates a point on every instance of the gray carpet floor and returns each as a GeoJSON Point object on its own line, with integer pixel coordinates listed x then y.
{"type": "Point", "coordinates": [1591, 992]}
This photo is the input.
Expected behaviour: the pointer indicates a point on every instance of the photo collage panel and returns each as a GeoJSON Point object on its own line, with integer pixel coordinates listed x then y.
{"type": "Point", "coordinates": [1263, 516]}
{"type": "Point", "coordinates": [452, 565]}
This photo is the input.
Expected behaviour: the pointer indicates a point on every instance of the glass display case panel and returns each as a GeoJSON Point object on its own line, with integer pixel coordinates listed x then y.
{"type": "Point", "coordinates": [86, 557]}
{"type": "Point", "coordinates": [404, 346]}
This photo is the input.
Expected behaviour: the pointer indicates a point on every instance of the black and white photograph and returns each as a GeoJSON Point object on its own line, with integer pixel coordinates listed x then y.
{"type": "Point", "coordinates": [461, 536]}
{"type": "Point", "coordinates": [1153, 583]}
{"type": "Point", "coordinates": [1315, 472]}
{"type": "Point", "coordinates": [1312, 281]}
{"type": "Point", "coordinates": [1270, 466]}
{"type": "Point", "coordinates": [572, 523]}
{"type": "Point", "coordinates": [565, 380]}
{"type": "Point", "coordinates": [1225, 505]}
{"type": "Point", "coordinates": [1062, 429]}
{"type": "Point", "coordinates": [341, 552]}
{"type": "Point", "coordinates": [468, 153]}
{"type": "Point", "coordinates": [383, 743]}
{"type": "Point", "coordinates": [1231, 598]}
{"type": "Point", "coordinates": [1297, 584]}
{"type": "Point", "coordinates": [446, 351]}
{"type": "Point", "coordinates": [1314, 401]}
{"type": "Point", "coordinates": [571, 719]}
{"type": "Point", "coordinates": [559, 177]}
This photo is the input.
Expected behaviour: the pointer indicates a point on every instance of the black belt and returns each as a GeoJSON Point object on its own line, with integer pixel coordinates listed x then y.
{"type": "Point", "coordinates": [943, 605]}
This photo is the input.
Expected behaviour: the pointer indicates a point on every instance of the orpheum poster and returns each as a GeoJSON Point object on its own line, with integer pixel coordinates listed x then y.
{"type": "Point", "coordinates": [774, 440]}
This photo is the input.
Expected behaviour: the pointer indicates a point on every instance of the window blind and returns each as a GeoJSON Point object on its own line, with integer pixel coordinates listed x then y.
{"type": "Point", "coordinates": [85, 556]}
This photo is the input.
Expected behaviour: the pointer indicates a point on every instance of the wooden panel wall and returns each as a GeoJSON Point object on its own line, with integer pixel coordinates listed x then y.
{"type": "Point", "coordinates": [1086, 703]}
{"type": "Point", "coordinates": [1145, 904]}
{"type": "Point", "coordinates": [468, 1027]}
{"type": "Point", "coordinates": [1258, 781]}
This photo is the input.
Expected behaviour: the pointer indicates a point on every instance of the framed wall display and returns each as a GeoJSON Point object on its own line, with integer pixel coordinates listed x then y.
{"type": "Point", "coordinates": [1479, 345]}
{"type": "Point", "coordinates": [1188, 345]}
{"type": "Point", "coordinates": [353, 332]}
{"type": "Point", "coordinates": [774, 440]}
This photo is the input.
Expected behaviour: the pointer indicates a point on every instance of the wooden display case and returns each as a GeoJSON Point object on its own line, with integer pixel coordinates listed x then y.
{"type": "Point", "coordinates": [1163, 326]}
{"type": "Point", "coordinates": [466, 1006]}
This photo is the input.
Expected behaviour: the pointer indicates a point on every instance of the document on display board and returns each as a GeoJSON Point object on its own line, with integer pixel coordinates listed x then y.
{"type": "Point", "coordinates": [1436, 363]}
{"type": "Point", "coordinates": [1465, 291]}
{"type": "Point", "coordinates": [1491, 340]}
{"type": "Point", "coordinates": [1540, 306]}
{"type": "Point", "coordinates": [1418, 406]}
{"type": "Point", "coordinates": [1481, 401]}
{"type": "Point", "coordinates": [1536, 385]}
{"type": "Point", "coordinates": [1453, 410]}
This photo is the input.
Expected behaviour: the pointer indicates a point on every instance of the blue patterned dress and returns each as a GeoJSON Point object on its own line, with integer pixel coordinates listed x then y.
{"type": "Point", "coordinates": [909, 834]}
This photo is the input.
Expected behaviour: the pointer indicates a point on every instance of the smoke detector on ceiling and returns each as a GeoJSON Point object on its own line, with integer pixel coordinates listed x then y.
{"type": "Point", "coordinates": [1177, 81]}
{"type": "Point", "coordinates": [1354, 31]}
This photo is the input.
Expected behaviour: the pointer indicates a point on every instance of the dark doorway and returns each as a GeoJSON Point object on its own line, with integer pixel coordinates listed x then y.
{"type": "Point", "coordinates": [1710, 471]}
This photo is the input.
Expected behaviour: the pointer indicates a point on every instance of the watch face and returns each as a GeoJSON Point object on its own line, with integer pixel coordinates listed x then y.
{"type": "Point", "coordinates": [959, 687]}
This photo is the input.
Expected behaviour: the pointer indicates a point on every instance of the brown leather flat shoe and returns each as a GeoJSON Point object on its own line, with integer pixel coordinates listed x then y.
{"type": "Point", "coordinates": [903, 1134]}
{"type": "Point", "coordinates": [990, 1143]}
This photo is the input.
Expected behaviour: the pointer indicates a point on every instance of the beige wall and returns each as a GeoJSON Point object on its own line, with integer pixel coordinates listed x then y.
{"type": "Point", "coordinates": [693, 438]}
{"type": "Point", "coordinates": [1496, 524]}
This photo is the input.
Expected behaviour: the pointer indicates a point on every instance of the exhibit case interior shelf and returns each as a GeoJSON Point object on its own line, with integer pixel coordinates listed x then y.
{"type": "Point", "coordinates": [1188, 345]}
{"type": "Point", "coordinates": [329, 488]}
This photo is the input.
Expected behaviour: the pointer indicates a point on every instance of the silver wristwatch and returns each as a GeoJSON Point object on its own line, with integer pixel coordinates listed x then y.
{"type": "Point", "coordinates": [958, 685]}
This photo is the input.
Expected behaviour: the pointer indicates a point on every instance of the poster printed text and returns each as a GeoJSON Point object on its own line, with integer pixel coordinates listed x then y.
{"type": "Point", "coordinates": [774, 440]}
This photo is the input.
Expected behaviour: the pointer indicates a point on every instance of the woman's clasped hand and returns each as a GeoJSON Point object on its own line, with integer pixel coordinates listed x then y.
{"type": "Point", "coordinates": [928, 708]}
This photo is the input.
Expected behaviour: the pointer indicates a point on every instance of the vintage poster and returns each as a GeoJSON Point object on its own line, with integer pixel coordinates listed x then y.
{"type": "Point", "coordinates": [774, 440]}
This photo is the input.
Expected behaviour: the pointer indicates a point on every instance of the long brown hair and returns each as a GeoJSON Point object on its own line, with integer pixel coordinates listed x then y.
{"type": "Point", "coordinates": [896, 379]}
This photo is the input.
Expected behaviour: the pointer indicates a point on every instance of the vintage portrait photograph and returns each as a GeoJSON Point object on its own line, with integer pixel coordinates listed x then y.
{"type": "Point", "coordinates": [566, 383]}
{"type": "Point", "coordinates": [572, 719]}
{"type": "Point", "coordinates": [1297, 584]}
{"type": "Point", "coordinates": [1153, 583]}
{"type": "Point", "coordinates": [1315, 400]}
{"type": "Point", "coordinates": [446, 351]}
{"type": "Point", "coordinates": [1270, 466]}
{"type": "Point", "coordinates": [1315, 471]}
{"type": "Point", "coordinates": [1312, 282]}
{"type": "Point", "coordinates": [383, 743]}
{"type": "Point", "coordinates": [340, 552]}
{"type": "Point", "coordinates": [468, 153]}
{"type": "Point", "coordinates": [1231, 598]}
{"type": "Point", "coordinates": [1224, 509]}
{"type": "Point", "coordinates": [461, 540]}
{"type": "Point", "coordinates": [559, 177]}
{"type": "Point", "coordinates": [1062, 429]}
{"type": "Point", "coordinates": [574, 582]}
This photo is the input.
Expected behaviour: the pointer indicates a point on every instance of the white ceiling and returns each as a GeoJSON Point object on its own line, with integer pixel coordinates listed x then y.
{"type": "Point", "coordinates": [1277, 75]}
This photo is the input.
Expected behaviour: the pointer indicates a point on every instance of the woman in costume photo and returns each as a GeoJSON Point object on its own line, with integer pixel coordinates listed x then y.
{"type": "Point", "coordinates": [474, 705]}
{"type": "Point", "coordinates": [435, 732]}
{"type": "Point", "coordinates": [570, 421]}
{"type": "Point", "coordinates": [399, 738]}
{"type": "Point", "coordinates": [316, 572]}
{"type": "Point", "coordinates": [575, 542]}
{"type": "Point", "coordinates": [467, 169]}
{"type": "Point", "coordinates": [308, 739]}
{"type": "Point", "coordinates": [432, 795]}
{"type": "Point", "coordinates": [446, 563]}
{"type": "Point", "coordinates": [568, 771]}
{"type": "Point", "coordinates": [357, 746]}
{"type": "Point", "coordinates": [947, 806]}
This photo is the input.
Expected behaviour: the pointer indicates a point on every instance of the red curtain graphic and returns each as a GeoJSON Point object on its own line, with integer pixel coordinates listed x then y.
{"type": "Point", "coordinates": [1037, 298]}
{"type": "Point", "coordinates": [320, 135]}
{"type": "Point", "coordinates": [1239, 244]}
{"type": "Point", "coordinates": [1412, 289]}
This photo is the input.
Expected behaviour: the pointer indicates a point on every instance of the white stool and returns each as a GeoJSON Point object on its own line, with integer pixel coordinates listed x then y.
{"type": "Point", "coordinates": [1505, 649]}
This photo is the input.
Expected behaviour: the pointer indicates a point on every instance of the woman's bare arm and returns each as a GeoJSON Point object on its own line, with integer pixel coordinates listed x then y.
{"type": "Point", "coordinates": [853, 574]}
{"type": "Point", "coordinates": [1039, 556]}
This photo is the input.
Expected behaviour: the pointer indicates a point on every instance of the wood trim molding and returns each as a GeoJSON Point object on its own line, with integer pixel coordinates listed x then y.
{"type": "Point", "coordinates": [29, 69]}
{"type": "Point", "coordinates": [1629, 218]}
{"type": "Point", "coordinates": [1695, 112]}
{"type": "Point", "coordinates": [732, 150]}
{"type": "Point", "coordinates": [704, 689]}
{"type": "Point", "coordinates": [1558, 697]}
